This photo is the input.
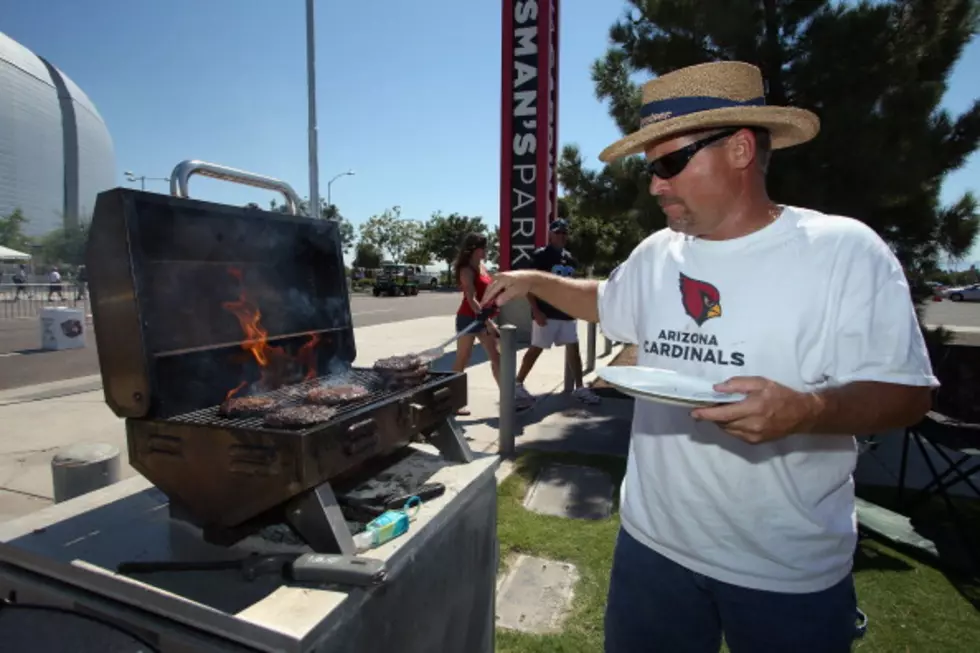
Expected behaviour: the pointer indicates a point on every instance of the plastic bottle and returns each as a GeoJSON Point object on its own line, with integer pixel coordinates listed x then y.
{"type": "Point", "coordinates": [386, 527]}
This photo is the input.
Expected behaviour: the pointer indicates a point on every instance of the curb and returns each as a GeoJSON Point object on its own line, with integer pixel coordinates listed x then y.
{"type": "Point", "coordinates": [51, 390]}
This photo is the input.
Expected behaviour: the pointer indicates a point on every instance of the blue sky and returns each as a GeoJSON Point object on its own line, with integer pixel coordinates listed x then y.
{"type": "Point", "coordinates": [407, 92]}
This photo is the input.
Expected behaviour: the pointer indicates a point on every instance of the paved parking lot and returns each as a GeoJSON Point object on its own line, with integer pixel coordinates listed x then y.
{"type": "Point", "coordinates": [962, 314]}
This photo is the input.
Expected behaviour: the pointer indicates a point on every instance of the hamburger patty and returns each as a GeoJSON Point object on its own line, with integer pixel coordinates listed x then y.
{"type": "Point", "coordinates": [398, 363]}
{"type": "Point", "coordinates": [299, 416]}
{"type": "Point", "coordinates": [336, 395]}
{"type": "Point", "coordinates": [247, 406]}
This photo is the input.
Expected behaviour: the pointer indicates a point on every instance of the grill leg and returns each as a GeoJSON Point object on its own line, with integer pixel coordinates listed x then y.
{"type": "Point", "coordinates": [317, 518]}
{"type": "Point", "coordinates": [449, 440]}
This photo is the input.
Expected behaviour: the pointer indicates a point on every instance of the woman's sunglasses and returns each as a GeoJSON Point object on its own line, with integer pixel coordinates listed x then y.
{"type": "Point", "coordinates": [671, 165]}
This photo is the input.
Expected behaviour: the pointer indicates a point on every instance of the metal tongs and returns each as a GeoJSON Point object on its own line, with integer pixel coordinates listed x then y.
{"type": "Point", "coordinates": [430, 355]}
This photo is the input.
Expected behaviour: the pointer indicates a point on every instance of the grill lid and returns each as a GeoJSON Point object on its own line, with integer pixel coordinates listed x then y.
{"type": "Point", "coordinates": [192, 300]}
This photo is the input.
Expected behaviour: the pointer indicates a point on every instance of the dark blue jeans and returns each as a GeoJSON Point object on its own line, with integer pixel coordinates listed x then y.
{"type": "Point", "coordinates": [657, 605]}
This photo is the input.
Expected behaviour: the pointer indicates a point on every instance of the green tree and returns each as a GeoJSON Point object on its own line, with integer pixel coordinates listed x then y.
{"type": "Point", "coordinates": [875, 73]}
{"type": "Point", "coordinates": [493, 246]}
{"type": "Point", "coordinates": [65, 246]}
{"type": "Point", "coordinates": [391, 234]}
{"type": "Point", "coordinates": [12, 231]}
{"type": "Point", "coordinates": [445, 233]}
{"type": "Point", "coordinates": [367, 256]}
{"type": "Point", "coordinates": [327, 211]}
{"type": "Point", "coordinates": [419, 254]}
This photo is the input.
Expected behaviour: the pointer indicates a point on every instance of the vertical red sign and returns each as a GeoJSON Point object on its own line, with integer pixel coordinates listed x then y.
{"type": "Point", "coordinates": [529, 127]}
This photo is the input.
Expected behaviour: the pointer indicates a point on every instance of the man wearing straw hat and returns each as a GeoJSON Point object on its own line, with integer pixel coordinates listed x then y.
{"type": "Point", "coordinates": [738, 519]}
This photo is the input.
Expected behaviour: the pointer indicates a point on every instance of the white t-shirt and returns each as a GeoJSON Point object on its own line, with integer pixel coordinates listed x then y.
{"type": "Point", "coordinates": [809, 301]}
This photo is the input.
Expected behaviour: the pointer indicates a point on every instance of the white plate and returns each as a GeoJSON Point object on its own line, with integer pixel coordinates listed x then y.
{"type": "Point", "coordinates": [665, 386]}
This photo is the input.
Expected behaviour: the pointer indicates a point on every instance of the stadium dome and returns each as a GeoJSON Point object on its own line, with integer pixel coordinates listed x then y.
{"type": "Point", "coordinates": [56, 154]}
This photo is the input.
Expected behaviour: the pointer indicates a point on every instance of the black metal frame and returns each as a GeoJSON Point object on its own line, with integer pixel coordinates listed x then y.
{"type": "Point", "coordinates": [940, 432]}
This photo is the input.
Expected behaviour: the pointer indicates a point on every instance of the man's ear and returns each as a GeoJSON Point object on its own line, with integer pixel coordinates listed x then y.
{"type": "Point", "coordinates": [741, 149]}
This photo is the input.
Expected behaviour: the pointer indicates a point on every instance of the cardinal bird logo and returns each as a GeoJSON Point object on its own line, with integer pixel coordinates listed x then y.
{"type": "Point", "coordinates": [702, 301]}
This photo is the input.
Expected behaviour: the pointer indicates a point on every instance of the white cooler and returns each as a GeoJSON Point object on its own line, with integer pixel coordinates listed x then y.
{"type": "Point", "coordinates": [62, 328]}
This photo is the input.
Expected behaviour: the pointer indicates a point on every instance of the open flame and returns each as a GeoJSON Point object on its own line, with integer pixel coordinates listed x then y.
{"type": "Point", "coordinates": [276, 366]}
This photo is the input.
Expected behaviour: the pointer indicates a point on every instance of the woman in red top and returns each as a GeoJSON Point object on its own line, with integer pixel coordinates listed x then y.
{"type": "Point", "coordinates": [473, 278]}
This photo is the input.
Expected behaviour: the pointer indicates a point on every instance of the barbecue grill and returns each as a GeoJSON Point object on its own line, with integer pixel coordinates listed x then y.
{"type": "Point", "coordinates": [194, 302]}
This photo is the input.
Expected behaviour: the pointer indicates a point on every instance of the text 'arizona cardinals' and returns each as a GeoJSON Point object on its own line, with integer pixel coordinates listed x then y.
{"type": "Point", "coordinates": [701, 302]}
{"type": "Point", "coordinates": [683, 345]}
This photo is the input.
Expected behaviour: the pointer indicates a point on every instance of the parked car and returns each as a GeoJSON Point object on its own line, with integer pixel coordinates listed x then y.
{"type": "Point", "coordinates": [428, 276]}
{"type": "Point", "coordinates": [961, 293]}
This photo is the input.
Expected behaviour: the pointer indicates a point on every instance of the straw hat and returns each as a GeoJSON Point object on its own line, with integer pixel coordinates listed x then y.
{"type": "Point", "coordinates": [707, 96]}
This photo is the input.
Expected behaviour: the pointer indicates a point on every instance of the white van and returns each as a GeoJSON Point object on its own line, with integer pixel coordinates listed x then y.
{"type": "Point", "coordinates": [428, 275]}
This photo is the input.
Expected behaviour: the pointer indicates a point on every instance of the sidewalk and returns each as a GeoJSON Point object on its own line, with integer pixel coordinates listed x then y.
{"type": "Point", "coordinates": [37, 421]}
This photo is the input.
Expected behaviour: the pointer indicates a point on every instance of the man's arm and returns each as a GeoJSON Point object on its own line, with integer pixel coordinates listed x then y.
{"type": "Point", "coordinates": [771, 410]}
{"type": "Point", "coordinates": [614, 303]}
{"type": "Point", "coordinates": [575, 297]}
{"type": "Point", "coordinates": [866, 407]}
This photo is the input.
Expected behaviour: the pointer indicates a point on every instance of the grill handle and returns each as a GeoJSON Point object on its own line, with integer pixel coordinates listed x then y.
{"type": "Point", "coordinates": [182, 173]}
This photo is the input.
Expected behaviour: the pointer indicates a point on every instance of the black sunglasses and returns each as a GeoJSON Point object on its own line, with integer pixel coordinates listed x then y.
{"type": "Point", "coordinates": [673, 164]}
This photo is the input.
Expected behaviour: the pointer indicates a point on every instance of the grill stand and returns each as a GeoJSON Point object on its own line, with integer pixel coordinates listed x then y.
{"type": "Point", "coordinates": [451, 443]}
{"type": "Point", "coordinates": [316, 516]}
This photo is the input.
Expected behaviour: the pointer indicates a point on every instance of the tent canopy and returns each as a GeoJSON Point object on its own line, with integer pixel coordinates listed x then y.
{"type": "Point", "coordinates": [7, 254]}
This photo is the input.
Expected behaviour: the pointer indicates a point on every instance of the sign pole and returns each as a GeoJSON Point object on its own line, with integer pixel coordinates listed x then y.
{"type": "Point", "coordinates": [529, 127]}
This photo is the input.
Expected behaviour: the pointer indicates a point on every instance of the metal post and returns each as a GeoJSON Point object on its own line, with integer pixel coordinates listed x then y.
{"type": "Point", "coordinates": [82, 468]}
{"type": "Point", "coordinates": [590, 347]}
{"type": "Point", "coordinates": [569, 377]}
{"type": "Point", "coordinates": [606, 345]}
{"type": "Point", "coordinates": [311, 91]}
{"type": "Point", "coordinates": [508, 388]}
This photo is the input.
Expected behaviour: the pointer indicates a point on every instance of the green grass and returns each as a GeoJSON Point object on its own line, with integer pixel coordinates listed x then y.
{"type": "Point", "coordinates": [912, 606]}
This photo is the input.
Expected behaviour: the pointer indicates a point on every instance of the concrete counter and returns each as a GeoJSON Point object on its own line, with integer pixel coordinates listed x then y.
{"type": "Point", "coordinates": [439, 595]}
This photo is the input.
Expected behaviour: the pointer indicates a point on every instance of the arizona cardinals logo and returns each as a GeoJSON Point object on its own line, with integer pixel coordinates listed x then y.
{"type": "Point", "coordinates": [701, 299]}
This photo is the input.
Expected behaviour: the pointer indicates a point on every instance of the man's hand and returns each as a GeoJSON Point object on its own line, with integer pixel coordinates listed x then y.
{"type": "Point", "coordinates": [509, 285]}
{"type": "Point", "coordinates": [539, 318]}
{"type": "Point", "coordinates": [770, 411]}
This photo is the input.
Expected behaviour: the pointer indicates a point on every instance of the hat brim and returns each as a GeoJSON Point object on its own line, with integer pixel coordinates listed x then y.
{"type": "Point", "coordinates": [788, 126]}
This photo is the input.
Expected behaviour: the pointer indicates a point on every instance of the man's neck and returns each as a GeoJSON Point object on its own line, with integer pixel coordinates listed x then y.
{"type": "Point", "coordinates": [746, 214]}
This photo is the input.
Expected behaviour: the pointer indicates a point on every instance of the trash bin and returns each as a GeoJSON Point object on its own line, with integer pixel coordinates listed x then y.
{"type": "Point", "coordinates": [62, 328]}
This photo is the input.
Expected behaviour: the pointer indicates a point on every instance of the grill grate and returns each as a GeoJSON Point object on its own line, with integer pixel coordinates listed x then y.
{"type": "Point", "coordinates": [293, 396]}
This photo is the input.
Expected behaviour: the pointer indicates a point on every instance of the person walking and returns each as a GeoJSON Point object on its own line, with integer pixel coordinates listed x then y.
{"type": "Point", "coordinates": [738, 519]}
{"type": "Point", "coordinates": [473, 279]}
{"type": "Point", "coordinates": [54, 285]}
{"type": "Point", "coordinates": [551, 326]}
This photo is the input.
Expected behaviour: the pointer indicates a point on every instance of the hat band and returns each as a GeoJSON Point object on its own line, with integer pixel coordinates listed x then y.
{"type": "Point", "coordinates": [675, 107]}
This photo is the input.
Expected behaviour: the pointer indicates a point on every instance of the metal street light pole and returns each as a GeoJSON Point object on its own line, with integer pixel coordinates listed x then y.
{"type": "Point", "coordinates": [335, 178]}
{"type": "Point", "coordinates": [142, 179]}
{"type": "Point", "coordinates": [311, 91]}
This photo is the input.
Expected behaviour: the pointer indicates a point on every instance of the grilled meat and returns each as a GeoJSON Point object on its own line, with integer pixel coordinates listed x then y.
{"type": "Point", "coordinates": [237, 407]}
{"type": "Point", "coordinates": [400, 372]}
{"type": "Point", "coordinates": [299, 416]}
{"type": "Point", "coordinates": [398, 363]}
{"type": "Point", "coordinates": [336, 395]}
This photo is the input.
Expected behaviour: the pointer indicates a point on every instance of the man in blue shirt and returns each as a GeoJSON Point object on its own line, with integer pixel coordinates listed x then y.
{"type": "Point", "coordinates": [550, 325]}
